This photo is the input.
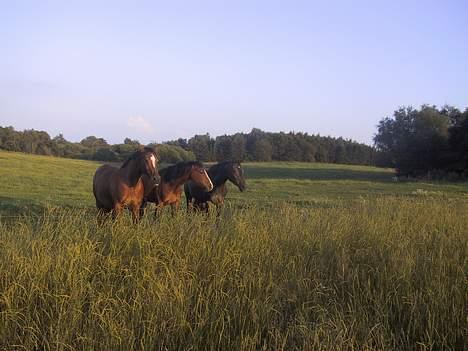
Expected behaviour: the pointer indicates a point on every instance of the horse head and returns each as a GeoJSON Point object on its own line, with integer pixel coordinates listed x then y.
{"type": "Point", "coordinates": [148, 163]}
{"type": "Point", "coordinates": [235, 174]}
{"type": "Point", "coordinates": [200, 177]}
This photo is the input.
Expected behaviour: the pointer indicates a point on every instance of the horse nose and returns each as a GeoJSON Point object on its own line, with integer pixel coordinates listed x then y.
{"type": "Point", "coordinates": [157, 179]}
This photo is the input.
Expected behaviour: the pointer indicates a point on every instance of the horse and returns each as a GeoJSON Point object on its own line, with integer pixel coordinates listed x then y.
{"type": "Point", "coordinates": [169, 191]}
{"type": "Point", "coordinates": [220, 173]}
{"type": "Point", "coordinates": [117, 188]}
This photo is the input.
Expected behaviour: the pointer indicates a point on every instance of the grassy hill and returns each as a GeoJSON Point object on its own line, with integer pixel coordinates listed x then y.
{"type": "Point", "coordinates": [311, 257]}
{"type": "Point", "coordinates": [30, 182]}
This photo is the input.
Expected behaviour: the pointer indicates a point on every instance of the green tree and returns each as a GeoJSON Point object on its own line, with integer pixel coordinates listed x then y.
{"type": "Point", "coordinates": [263, 150]}
{"type": "Point", "coordinates": [238, 147]}
{"type": "Point", "coordinates": [415, 140]}
{"type": "Point", "coordinates": [202, 146]}
{"type": "Point", "coordinates": [458, 143]}
{"type": "Point", "coordinates": [223, 148]}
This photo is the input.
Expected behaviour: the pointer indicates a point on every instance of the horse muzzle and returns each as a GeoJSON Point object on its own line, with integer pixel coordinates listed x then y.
{"type": "Point", "coordinates": [156, 179]}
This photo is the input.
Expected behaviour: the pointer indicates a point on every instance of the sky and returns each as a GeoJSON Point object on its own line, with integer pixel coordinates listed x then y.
{"type": "Point", "coordinates": [160, 70]}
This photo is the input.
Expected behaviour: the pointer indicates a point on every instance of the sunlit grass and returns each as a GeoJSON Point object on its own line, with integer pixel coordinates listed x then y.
{"type": "Point", "coordinates": [391, 277]}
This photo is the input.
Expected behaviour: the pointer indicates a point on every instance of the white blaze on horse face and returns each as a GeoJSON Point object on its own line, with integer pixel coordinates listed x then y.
{"type": "Point", "coordinates": [209, 179]}
{"type": "Point", "coordinates": [153, 161]}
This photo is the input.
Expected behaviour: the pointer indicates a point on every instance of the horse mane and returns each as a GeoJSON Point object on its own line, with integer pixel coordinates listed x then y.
{"type": "Point", "coordinates": [136, 155]}
{"type": "Point", "coordinates": [178, 170]}
{"type": "Point", "coordinates": [221, 165]}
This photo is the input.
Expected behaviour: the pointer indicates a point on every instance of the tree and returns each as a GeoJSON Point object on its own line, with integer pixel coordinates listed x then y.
{"type": "Point", "coordinates": [415, 141]}
{"type": "Point", "coordinates": [458, 143]}
{"type": "Point", "coordinates": [93, 143]}
{"type": "Point", "coordinates": [105, 154]}
{"type": "Point", "coordinates": [263, 150]}
{"type": "Point", "coordinates": [202, 146]}
{"type": "Point", "coordinates": [9, 139]}
{"type": "Point", "coordinates": [223, 148]}
{"type": "Point", "coordinates": [238, 147]}
{"type": "Point", "coordinates": [128, 141]}
{"type": "Point", "coordinates": [36, 142]}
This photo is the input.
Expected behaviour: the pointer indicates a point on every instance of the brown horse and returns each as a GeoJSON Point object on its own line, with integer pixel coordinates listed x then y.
{"type": "Point", "coordinates": [116, 188]}
{"type": "Point", "coordinates": [198, 198]}
{"type": "Point", "coordinates": [169, 191]}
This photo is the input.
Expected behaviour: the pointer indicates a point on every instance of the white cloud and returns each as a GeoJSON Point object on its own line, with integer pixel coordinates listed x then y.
{"type": "Point", "coordinates": [140, 125]}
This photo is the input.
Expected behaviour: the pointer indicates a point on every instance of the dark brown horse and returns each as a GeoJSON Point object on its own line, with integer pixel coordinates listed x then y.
{"type": "Point", "coordinates": [220, 173]}
{"type": "Point", "coordinates": [117, 188]}
{"type": "Point", "coordinates": [169, 191]}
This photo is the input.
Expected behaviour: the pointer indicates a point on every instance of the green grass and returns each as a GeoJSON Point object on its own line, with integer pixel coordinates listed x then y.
{"type": "Point", "coordinates": [32, 182]}
{"type": "Point", "coordinates": [311, 257]}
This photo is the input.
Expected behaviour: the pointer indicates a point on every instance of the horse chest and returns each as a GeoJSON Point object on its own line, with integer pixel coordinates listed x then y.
{"type": "Point", "coordinates": [171, 195]}
{"type": "Point", "coordinates": [217, 197]}
{"type": "Point", "coordinates": [131, 195]}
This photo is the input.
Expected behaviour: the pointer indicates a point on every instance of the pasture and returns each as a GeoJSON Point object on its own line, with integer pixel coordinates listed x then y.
{"type": "Point", "coordinates": [310, 257]}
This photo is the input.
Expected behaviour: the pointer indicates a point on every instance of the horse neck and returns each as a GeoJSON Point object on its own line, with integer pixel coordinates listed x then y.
{"type": "Point", "coordinates": [179, 181]}
{"type": "Point", "coordinates": [218, 178]}
{"type": "Point", "coordinates": [131, 173]}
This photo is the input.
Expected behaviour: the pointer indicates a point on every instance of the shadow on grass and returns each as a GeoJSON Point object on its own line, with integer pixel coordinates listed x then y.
{"type": "Point", "coordinates": [11, 208]}
{"type": "Point", "coordinates": [317, 174]}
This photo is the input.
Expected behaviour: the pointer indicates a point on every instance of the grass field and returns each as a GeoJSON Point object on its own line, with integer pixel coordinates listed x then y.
{"type": "Point", "coordinates": [30, 183]}
{"type": "Point", "coordinates": [310, 257]}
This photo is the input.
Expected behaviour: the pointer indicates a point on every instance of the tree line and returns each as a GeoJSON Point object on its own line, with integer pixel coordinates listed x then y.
{"type": "Point", "coordinates": [254, 146]}
{"type": "Point", "coordinates": [90, 148]}
{"type": "Point", "coordinates": [265, 146]}
{"type": "Point", "coordinates": [430, 141]}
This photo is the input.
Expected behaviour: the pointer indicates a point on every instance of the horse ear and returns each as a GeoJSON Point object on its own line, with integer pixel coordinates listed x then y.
{"type": "Point", "coordinates": [156, 150]}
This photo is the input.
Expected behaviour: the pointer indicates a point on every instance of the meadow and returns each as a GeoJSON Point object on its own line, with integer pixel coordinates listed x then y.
{"type": "Point", "coordinates": [310, 257]}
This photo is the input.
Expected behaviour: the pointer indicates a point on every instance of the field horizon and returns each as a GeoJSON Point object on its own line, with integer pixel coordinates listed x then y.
{"type": "Point", "coordinates": [32, 182]}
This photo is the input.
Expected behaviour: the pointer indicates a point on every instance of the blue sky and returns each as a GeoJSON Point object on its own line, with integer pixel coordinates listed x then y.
{"type": "Point", "coordinates": [159, 70]}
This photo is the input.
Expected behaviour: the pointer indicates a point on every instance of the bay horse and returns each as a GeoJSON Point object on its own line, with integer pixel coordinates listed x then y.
{"type": "Point", "coordinates": [117, 188]}
{"type": "Point", "coordinates": [169, 191]}
{"type": "Point", "coordinates": [220, 173]}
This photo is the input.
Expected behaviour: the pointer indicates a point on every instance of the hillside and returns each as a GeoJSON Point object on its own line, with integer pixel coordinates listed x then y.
{"type": "Point", "coordinates": [30, 182]}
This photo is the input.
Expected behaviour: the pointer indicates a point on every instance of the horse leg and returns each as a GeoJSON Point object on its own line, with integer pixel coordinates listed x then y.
{"type": "Point", "coordinates": [189, 205]}
{"type": "Point", "coordinates": [219, 209]}
{"type": "Point", "coordinates": [157, 210]}
{"type": "Point", "coordinates": [201, 206]}
{"type": "Point", "coordinates": [117, 210]}
{"type": "Point", "coordinates": [175, 207]}
{"type": "Point", "coordinates": [196, 206]}
{"type": "Point", "coordinates": [102, 212]}
{"type": "Point", "coordinates": [136, 209]}
{"type": "Point", "coordinates": [143, 208]}
{"type": "Point", "coordinates": [102, 215]}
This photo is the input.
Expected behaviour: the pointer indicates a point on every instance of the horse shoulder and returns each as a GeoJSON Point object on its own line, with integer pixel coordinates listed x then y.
{"type": "Point", "coordinates": [223, 189]}
{"type": "Point", "coordinates": [173, 195]}
{"type": "Point", "coordinates": [137, 193]}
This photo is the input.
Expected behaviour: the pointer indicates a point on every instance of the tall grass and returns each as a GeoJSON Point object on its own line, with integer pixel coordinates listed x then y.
{"type": "Point", "coordinates": [386, 273]}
